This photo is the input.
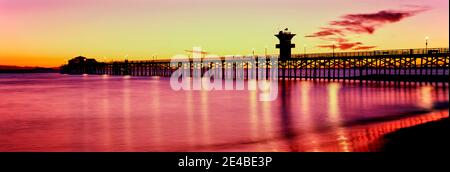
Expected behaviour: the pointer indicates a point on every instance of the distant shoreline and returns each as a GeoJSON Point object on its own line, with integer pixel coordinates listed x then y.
{"type": "Point", "coordinates": [35, 70]}
{"type": "Point", "coordinates": [5, 69]}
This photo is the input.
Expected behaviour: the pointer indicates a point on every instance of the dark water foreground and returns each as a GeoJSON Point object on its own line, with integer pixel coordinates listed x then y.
{"type": "Point", "coordinates": [53, 112]}
{"type": "Point", "coordinates": [428, 137]}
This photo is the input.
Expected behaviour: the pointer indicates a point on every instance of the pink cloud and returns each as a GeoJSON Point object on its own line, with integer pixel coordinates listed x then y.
{"type": "Point", "coordinates": [342, 45]}
{"type": "Point", "coordinates": [362, 23]}
{"type": "Point", "coordinates": [327, 32]}
{"type": "Point", "coordinates": [335, 39]}
{"type": "Point", "coordinates": [364, 47]}
{"type": "Point", "coordinates": [354, 26]}
{"type": "Point", "coordinates": [369, 22]}
{"type": "Point", "coordinates": [385, 16]}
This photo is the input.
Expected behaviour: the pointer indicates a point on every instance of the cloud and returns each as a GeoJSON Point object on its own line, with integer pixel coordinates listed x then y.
{"type": "Point", "coordinates": [327, 32]}
{"type": "Point", "coordinates": [385, 16]}
{"type": "Point", "coordinates": [368, 23]}
{"type": "Point", "coordinates": [335, 39]}
{"type": "Point", "coordinates": [342, 45]}
{"type": "Point", "coordinates": [364, 47]}
{"type": "Point", "coordinates": [348, 45]}
{"type": "Point", "coordinates": [353, 26]}
{"type": "Point", "coordinates": [361, 23]}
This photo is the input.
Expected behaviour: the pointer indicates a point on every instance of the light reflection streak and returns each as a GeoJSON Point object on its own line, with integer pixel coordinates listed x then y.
{"type": "Point", "coordinates": [85, 111]}
{"type": "Point", "coordinates": [307, 122]}
{"type": "Point", "coordinates": [426, 100]}
{"type": "Point", "coordinates": [268, 123]}
{"type": "Point", "coordinates": [190, 117]}
{"type": "Point", "coordinates": [156, 119]}
{"type": "Point", "coordinates": [127, 113]}
{"type": "Point", "coordinates": [335, 116]}
{"type": "Point", "coordinates": [253, 112]}
{"type": "Point", "coordinates": [205, 116]}
{"type": "Point", "coordinates": [105, 115]}
{"type": "Point", "coordinates": [264, 90]}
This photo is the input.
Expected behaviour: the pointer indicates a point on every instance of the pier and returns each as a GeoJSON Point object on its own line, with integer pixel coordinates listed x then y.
{"type": "Point", "coordinates": [412, 65]}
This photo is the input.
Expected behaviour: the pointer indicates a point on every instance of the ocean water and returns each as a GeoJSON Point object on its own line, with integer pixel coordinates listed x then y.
{"type": "Point", "coordinates": [54, 112]}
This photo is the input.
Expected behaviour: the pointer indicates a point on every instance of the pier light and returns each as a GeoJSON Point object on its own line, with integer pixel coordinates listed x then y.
{"type": "Point", "coordinates": [426, 43]}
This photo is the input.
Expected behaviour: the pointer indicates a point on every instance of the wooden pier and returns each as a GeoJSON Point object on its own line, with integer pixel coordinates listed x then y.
{"type": "Point", "coordinates": [412, 65]}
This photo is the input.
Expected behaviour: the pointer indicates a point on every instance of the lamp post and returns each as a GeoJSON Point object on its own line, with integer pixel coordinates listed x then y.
{"type": "Point", "coordinates": [265, 50]}
{"type": "Point", "coordinates": [304, 48]}
{"type": "Point", "coordinates": [253, 52]}
{"type": "Point", "coordinates": [334, 45]}
{"type": "Point", "coordinates": [426, 52]}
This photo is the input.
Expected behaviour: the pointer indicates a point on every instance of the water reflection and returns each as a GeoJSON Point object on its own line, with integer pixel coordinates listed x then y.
{"type": "Point", "coordinates": [205, 116]}
{"type": "Point", "coordinates": [85, 112]}
{"type": "Point", "coordinates": [426, 98]}
{"type": "Point", "coordinates": [190, 118]}
{"type": "Point", "coordinates": [286, 121]}
{"type": "Point", "coordinates": [106, 115]}
{"type": "Point", "coordinates": [308, 124]}
{"type": "Point", "coordinates": [253, 113]}
{"type": "Point", "coordinates": [155, 112]}
{"type": "Point", "coordinates": [54, 112]}
{"type": "Point", "coordinates": [335, 116]}
{"type": "Point", "coordinates": [267, 126]}
{"type": "Point", "coordinates": [127, 113]}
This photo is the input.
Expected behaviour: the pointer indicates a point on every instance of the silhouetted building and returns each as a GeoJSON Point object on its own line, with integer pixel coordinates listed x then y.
{"type": "Point", "coordinates": [81, 60]}
{"type": "Point", "coordinates": [81, 65]}
{"type": "Point", "coordinates": [285, 45]}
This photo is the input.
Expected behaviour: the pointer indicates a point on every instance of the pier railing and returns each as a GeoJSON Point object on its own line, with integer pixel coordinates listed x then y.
{"type": "Point", "coordinates": [420, 51]}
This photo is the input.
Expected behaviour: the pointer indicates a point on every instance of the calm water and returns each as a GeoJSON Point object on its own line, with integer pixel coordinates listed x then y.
{"type": "Point", "coordinates": [53, 112]}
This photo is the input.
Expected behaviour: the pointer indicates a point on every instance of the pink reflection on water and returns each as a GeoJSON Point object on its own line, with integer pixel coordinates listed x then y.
{"type": "Point", "coordinates": [308, 124]}
{"type": "Point", "coordinates": [52, 112]}
{"type": "Point", "coordinates": [335, 116]}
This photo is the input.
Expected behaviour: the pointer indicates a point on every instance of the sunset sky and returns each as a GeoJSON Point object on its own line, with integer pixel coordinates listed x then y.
{"type": "Point", "coordinates": [49, 32]}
